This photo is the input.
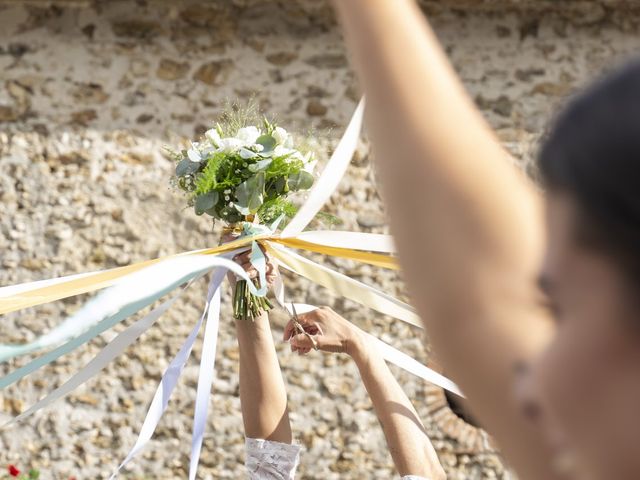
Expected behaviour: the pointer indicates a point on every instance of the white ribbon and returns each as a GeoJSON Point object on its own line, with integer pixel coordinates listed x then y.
{"type": "Point", "coordinates": [137, 290]}
{"type": "Point", "coordinates": [132, 293]}
{"type": "Point", "coordinates": [205, 375]}
{"type": "Point", "coordinates": [345, 286]}
{"type": "Point", "coordinates": [411, 365]}
{"type": "Point", "coordinates": [27, 286]}
{"type": "Point", "coordinates": [169, 381]}
{"type": "Point", "coordinates": [395, 356]}
{"type": "Point", "coordinates": [104, 357]}
{"type": "Point", "coordinates": [331, 175]}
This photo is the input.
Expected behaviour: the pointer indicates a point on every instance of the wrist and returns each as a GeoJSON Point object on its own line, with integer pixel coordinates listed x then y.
{"type": "Point", "coordinates": [357, 347]}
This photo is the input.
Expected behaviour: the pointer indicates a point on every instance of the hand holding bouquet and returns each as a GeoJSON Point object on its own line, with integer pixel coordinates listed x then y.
{"type": "Point", "coordinates": [244, 174]}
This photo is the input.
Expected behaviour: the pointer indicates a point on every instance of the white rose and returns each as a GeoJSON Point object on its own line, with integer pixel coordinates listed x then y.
{"type": "Point", "coordinates": [194, 154]}
{"type": "Point", "coordinates": [281, 135]}
{"type": "Point", "coordinates": [213, 136]}
{"type": "Point", "coordinates": [229, 145]}
{"type": "Point", "coordinates": [281, 151]}
{"type": "Point", "coordinates": [310, 165]}
{"type": "Point", "coordinates": [248, 135]}
{"type": "Point", "coordinates": [289, 142]}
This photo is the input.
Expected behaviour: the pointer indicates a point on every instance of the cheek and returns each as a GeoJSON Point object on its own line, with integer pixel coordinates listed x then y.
{"type": "Point", "coordinates": [564, 376]}
{"type": "Point", "coordinates": [587, 383]}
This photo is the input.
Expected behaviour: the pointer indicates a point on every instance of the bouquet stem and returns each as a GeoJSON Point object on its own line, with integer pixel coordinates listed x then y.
{"type": "Point", "coordinates": [246, 305]}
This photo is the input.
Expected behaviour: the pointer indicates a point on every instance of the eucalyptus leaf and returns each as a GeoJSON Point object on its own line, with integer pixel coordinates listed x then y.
{"type": "Point", "coordinates": [212, 212]}
{"type": "Point", "coordinates": [250, 194]}
{"type": "Point", "coordinates": [268, 142]}
{"type": "Point", "coordinates": [260, 165]}
{"type": "Point", "coordinates": [205, 202]}
{"type": "Point", "coordinates": [230, 214]}
{"type": "Point", "coordinates": [186, 167]}
{"type": "Point", "coordinates": [301, 180]}
{"type": "Point", "coordinates": [282, 185]}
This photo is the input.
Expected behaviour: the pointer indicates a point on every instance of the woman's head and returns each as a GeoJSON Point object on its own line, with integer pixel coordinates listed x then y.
{"type": "Point", "coordinates": [589, 378]}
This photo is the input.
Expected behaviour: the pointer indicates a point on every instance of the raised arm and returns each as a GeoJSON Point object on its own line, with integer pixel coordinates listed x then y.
{"type": "Point", "coordinates": [468, 225]}
{"type": "Point", "coordinates": [262, 391]}
{"type": "Point", "coordinates": [411, 449]}
{"type": "Point", "coordinates": [263, 396]}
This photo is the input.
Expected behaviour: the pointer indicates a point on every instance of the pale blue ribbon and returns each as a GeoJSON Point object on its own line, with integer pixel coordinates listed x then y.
{"type": "Point", "coordinates": [95, 315]}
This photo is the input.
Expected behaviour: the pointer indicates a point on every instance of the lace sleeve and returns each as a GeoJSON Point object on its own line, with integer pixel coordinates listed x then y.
{"type": "Point", "coordinates": [266, 460]}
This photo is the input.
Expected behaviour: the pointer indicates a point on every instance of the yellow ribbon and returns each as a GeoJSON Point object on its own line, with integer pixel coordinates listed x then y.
{"type": "Point", "coordinates": [105, 278]}
{"type": "Point", "coordinates": [377, 259]}
{"type": "Point", "coordinates": [99, 280]}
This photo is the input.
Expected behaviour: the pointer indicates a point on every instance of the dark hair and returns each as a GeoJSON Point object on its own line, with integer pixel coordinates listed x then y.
{"type": "Point", "coordinates": [593, 155]}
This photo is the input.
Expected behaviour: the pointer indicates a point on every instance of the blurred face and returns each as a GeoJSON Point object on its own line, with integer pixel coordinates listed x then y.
{"type": "Point", "coordinates": [587, 382]}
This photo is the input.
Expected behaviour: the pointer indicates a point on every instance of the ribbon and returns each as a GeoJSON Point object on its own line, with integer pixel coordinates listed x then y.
{"type": "Point", "coordinates": [131, 295]}
{"type": "Point", "coordinates": [373, 242]}
{"type": "Point", "coordinates": [17, 297]}
{"type": "Point", "coordinates": [331, 175]}
{"type": "Point", "coordinates": [345, 286]}
{"type": "Point", "coordinates": [106, 355]}
{"type": "Point", "coordinates": [136, 286]}
{"type": "Point", "coordinates": [169, 381]}
{"type": "Point", "coordinates": [205, 376]}
{"type": "Point", "coordinates": [376, 259]}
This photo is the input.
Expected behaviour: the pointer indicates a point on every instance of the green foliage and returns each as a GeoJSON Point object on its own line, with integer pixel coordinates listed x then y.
{"type": "Point", "coordinates": [276, 207]}
{"type": "Point", "coordinates": [232, 182]}
{"type": "Point", "coordinates": [268, 143]}
{"type": "Point", "coordinates": [329, 219]}
{"type": "Point", "coordinates": [213, 174]}
{"type": "Point", "coordinates": [206, 202]}
{"type": "Point", "coordinates": [250, 194]}
{"type": "Point", "coordinates": [300, 181]}
{"type": "Point", "coordinates": [186, 167]}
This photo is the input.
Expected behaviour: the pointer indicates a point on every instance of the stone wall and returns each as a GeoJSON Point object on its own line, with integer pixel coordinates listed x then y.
{"type": "Point", "coordinates": [88, 98]}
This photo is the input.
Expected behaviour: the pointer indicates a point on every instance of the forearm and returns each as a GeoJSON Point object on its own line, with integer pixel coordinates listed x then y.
{"type": "Point", "coordinates": [411, 450]}
{"type": "Point", "coordinates": [262, 390]}
{"type": "Point", "coordinates": [468, 225]}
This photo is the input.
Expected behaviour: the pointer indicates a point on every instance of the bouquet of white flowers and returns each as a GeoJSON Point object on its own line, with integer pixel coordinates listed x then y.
{"type": "Point", "coordinates": [244, 173]}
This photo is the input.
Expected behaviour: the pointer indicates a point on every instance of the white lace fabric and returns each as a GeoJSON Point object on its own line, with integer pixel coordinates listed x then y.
{"type": "Point", "coordinates": [267, 460]}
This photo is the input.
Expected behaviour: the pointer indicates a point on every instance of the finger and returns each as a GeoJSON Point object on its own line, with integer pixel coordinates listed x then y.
{"type": "Point", "coordinates": [228, 237]}
{"type": "Point", "coordinates": [309, 318]}
{"type": "Point", "coordinates": [289, 330]}
{"type": "Point", "coordinates": [250, 270]}
{"type": "Point", "coordinates": [244, 257]}
{"type": "Point", "coordinates": [301, 341]}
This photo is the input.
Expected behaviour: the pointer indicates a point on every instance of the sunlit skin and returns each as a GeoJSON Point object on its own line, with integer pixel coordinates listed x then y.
{"type": "Point", "coordinates": [476, 242]}
{"type": "Point", "coordinates": [586, 381]}
{"type": "Point", "coordinates": [263, 396]}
